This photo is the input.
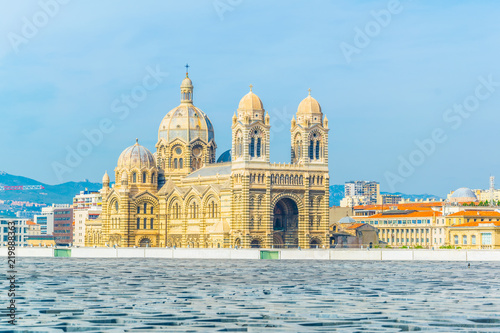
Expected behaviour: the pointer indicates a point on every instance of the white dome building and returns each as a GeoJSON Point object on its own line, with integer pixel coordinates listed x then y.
{"type": "Point", "coordinates": [462, 195]}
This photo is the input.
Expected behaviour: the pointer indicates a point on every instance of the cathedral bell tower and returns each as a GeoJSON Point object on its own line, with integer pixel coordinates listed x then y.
{"type": "Point", "coordinates": [250, 130]}
{"type": "Point", "coordinates": [309, 133]}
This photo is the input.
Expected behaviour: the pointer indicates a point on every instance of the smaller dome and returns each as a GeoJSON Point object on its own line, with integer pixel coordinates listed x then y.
{"type": "Point", "coordinates": [105, 178]}
{"type": "Point", "coordinates": [250, 102]}
{"type": "Point", "coordinates": [136, 156]}
{"type": "Point", "coordinates": [463, 194]}
{"type": "Point", "coordinates": [309, 105]}
{"type": "Point", "coordinates": [347, 219]}
{"type": "Point", "coordinates": [187, 83]}
{"type": "Point", "coordinates": [225, 157]}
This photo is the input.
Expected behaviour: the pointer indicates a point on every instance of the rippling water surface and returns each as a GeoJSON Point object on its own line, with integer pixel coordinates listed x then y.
{"type": "Point", "coordinates": [95, 295]}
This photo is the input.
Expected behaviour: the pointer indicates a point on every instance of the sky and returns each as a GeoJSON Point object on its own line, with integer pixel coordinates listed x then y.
{"type": "Point", "coordinates": [411, 88]}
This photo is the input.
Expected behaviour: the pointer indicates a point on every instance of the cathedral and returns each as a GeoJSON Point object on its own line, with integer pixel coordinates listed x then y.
{"type": "Point", "coordinates": [181, 196]}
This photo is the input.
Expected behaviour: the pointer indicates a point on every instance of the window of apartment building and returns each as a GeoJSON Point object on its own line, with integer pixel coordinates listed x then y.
{"type": "Point", "coordinates": [464, 240]}
{"type": "Point", "coordinates": [456, 239]}
{"type": "Point", "coordinates": [473, 239]}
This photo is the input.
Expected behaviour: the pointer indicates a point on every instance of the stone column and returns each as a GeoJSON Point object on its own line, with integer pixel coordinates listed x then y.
{"type": "Point", "coordinates": [127, 239]}
{"type": "Point", "coordinates": [325, 219]}
{"type": "Point", "coordinates": [162, 221]}
{"type": "Point", "coordinates": [245, 211]}
{"type": "Point", "coordinates": [304, 217]}
{"type": "Point", "coordinates": [184, 226]}
{"type": "Point", "coordinates": [268, 217]}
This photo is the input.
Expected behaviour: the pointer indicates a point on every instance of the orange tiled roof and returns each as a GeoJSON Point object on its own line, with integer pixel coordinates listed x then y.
{"type": "Point", "coordinates": [477, 224]}
{"type": "Point", "coordinates": [390, 216]}
{"type": "Point", "coordinates": [473, 213]}
{"type": "Point", "coordinates": [30, 223]}
{"type": "Point", "coordinates": [355, 226]}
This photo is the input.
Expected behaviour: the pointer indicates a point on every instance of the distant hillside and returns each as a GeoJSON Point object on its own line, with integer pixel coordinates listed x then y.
{"type": "Point", "coordinates": [60, 194]}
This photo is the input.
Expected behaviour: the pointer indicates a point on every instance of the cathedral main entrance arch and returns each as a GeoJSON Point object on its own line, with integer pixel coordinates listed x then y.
{"type": "Point", "coordinates": [145, 242]}
{"type": "Point", "coordinates": [285, 224]}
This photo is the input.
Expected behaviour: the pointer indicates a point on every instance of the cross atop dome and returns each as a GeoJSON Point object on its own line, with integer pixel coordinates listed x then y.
{"type": "Point", "coordinates": [251, 86]}
{"type": "Point", "coordinates": [309, 91]}
{"type": "Point", "coordinates": [187, 70]}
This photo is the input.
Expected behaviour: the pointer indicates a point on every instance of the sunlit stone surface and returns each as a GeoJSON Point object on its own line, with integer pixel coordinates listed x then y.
{"type": "Point", "coordinates": [95, 295]}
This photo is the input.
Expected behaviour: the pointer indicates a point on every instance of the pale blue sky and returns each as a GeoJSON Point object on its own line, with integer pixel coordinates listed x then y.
{"type": "Point", "coordinates": [395, 90]}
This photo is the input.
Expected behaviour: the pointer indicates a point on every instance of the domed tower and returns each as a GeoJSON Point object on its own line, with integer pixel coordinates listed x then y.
{"type": "Point", "coordinates": [309, 132]}
{"type": "Point", "coordinates": [136, 169]}
{"type": "Point", "coordinates": [250, 130]}
{"type": "Point", "coordinates": [185, 137]}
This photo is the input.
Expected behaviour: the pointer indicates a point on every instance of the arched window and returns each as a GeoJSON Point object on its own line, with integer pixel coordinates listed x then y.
{"type": "Point", "coordinates": [144, 177]}
{"type": "Point", "coordinates": [138, 210]}
{"type": "Point", "coordinates": [258, 147]}
{"type": "Point", "coordinates": [252, 147]}
{"type": "Point", "coordinates": [175, 163]}
{"type": "Point", "coordinates": [317, 150]}
{"type": "Point", "coordinates": [311, 149]}
{"type": "Point", "coordinates": [138, 223]}
{"type": "Point", "coordinates": [152, 209]}
{"type": "Point", "coordinates": [134, 177]}
{"type": "Point", "coordinates": [145, 208]}
{"type": "Point", "coordinates": [151, 222]}
{"type": "Point", "coordinates": [116, 205]}
{"type": "Point", "coordinates": [239, 146]}
{"type": "Point", "coordinates": [180, 163]}
{"type": "Point", "coordinates": [145, 223]}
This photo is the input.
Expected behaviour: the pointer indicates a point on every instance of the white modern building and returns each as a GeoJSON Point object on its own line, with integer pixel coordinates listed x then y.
{"type": "Point", "coordinates": [21, 230]}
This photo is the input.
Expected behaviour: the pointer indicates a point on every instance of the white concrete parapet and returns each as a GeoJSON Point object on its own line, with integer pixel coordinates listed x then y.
{"type": "Point", "coordinates": [91, 252]}
{"type": "Point", "coordinates": [34, 252]}
{"type": "Point", "coordinates": [130, 252]}
{"type": "Point", "coordinates": [483, 255]}
{"type": "Point", "coordinates": [158, 252]}
{"type": "Point", "coordinates": [397, 254]}
{"type": "Point", "coordinates": [355, 255]}
{"type": "Point", "coordinates": [284, 254]}
{"type": "Point", "coordinates": [305, 254]}
{"type": "Point", "coordinates": [440, 255]}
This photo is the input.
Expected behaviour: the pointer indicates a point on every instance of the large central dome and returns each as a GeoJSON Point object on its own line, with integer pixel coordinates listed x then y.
{"type": "Point", "coordinates": [186, 121]}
